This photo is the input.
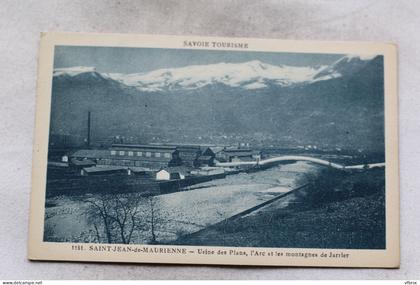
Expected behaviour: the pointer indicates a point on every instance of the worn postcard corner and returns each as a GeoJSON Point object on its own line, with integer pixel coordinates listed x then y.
{"type": "Point", "coordinates": [206, 150]}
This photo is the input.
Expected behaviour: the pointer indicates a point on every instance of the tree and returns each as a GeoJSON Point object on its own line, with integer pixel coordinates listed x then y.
{"type": "Point", "coordinates": [115, 217]}
{"type": "Point", "coordinates": [154, 217]}
{"type": "Point", "coordinates": [119, 218]}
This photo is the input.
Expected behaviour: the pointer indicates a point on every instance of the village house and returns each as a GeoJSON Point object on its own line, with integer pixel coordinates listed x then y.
{"type": "Point", "coordinates": [195, 155]}
{"type": "Point", "coordinates": [140, 171]}
{"type": "Point", "coordinates": [237, 154]}
{"type": "Point", "coordinates": [205, 160]}
{"type": "Point", "coordinates": [171, 173]}
{"type": "Point", "coordinates": [189, 154]}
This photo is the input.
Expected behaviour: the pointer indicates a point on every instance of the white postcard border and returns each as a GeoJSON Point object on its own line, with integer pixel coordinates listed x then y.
{"type": "Point", "coordinates": [39, 250]}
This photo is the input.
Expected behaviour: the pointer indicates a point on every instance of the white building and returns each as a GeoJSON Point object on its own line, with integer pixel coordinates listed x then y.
{"type": "Point", "coordinates": [170, 174]}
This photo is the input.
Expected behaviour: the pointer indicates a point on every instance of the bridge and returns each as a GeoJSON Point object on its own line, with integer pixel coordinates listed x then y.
{"type": "Point", "coordinates": [299, 158]}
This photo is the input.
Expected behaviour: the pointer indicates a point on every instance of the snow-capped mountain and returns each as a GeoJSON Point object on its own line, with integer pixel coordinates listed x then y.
{"type": "Point", "coordinates": [249, 75]}
{"type": "Point", "coordinates": [346, 65]}
{"type": "Point", "coordinates": [73, 71]}
{"type": "Point", "coordinates": [340, 104]}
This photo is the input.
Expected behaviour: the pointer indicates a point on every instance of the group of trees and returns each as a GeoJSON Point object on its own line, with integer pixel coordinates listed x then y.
{"type": "Point", "coordinates": [332, 185]}
{"type": "Point", "coordinates": [123, 218]}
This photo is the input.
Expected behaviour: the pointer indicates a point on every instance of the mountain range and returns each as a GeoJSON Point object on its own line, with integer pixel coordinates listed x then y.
{"type": "Point", "coordinates": [338, 105]}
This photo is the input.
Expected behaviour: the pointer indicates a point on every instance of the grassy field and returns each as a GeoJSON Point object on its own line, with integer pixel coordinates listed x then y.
{"type": "Point", "coordinates": [337, 210]}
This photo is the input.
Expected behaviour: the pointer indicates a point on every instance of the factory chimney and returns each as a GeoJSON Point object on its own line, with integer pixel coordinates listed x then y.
{"type": "Point", "coordinates": [88, 130]}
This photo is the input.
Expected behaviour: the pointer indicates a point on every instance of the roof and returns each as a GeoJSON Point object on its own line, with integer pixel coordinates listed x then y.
{"type": "Point", "coordinates": [181, 147]}
{"type": "Point", "coordinates": [243, 153]}
{"type": "Point", "coordinates": [177, 169]}
{"type": "Point", "coordinates": [139, 169]}
{"type": "Point", "coordinates": [147, 147]}
{"type": "Point", "coordinates": [201, 145]}
{"type": "Point", "coordinates": [216, 149]}
{"type": "Point", "coordinates": [90, 153]}
{"type": "Point", "coordinates": [82, 162]}
{"type": "Point", "coordinates": [97, 169]}
{"type": "Point", "coordinates": [189, 147]}
{"type": "Point", "coordinates": [207, 151]}
{"type": "Point", "coordinates": [237, 150]}
{"type": "Point", "coordinates": [210, 168]}
{"type": "Point", "coordinates": [193, 151]}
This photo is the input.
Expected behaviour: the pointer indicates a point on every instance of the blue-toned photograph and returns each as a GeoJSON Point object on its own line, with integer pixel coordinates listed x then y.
{"type": "Point", "coordinates": [216, 148]}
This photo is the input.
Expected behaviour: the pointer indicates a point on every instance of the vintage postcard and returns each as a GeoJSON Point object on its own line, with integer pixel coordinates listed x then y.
{"type": "Point", "coordinates": [202, 150]}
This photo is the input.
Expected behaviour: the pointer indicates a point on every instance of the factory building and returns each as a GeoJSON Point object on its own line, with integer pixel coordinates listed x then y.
{"type": "Point", "coordinates": [152, 157]}
{"type": "Point", "coordinates": [149, 156]}
{"type": "Point", "coordinates": [238, 154]}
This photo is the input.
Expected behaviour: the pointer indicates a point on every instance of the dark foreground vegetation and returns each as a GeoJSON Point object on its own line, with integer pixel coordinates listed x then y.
{"type": "Point", "coordinates": [337, 210]}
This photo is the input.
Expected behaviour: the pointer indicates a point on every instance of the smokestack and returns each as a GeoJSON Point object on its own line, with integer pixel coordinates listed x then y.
{"type": "Point", "coordinates": [88, 130]}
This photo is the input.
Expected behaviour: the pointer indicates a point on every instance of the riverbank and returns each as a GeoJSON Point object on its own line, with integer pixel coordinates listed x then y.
{"type": "Point", "coordinates": [338, 210]}
{"type": "Point", "coordinates": [181, 213]}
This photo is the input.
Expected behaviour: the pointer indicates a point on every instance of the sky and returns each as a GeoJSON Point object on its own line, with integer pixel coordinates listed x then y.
{"type": "Point", "coordinates": [138, 60]}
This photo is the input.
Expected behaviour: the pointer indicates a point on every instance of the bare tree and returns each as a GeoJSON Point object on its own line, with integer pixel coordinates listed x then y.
{"type": "Point", "coordinates": [98, 215]}
{"type": "Point", "coordinates": [118, 216]}
{"type": "Point", "coordinates": [155, 218]}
